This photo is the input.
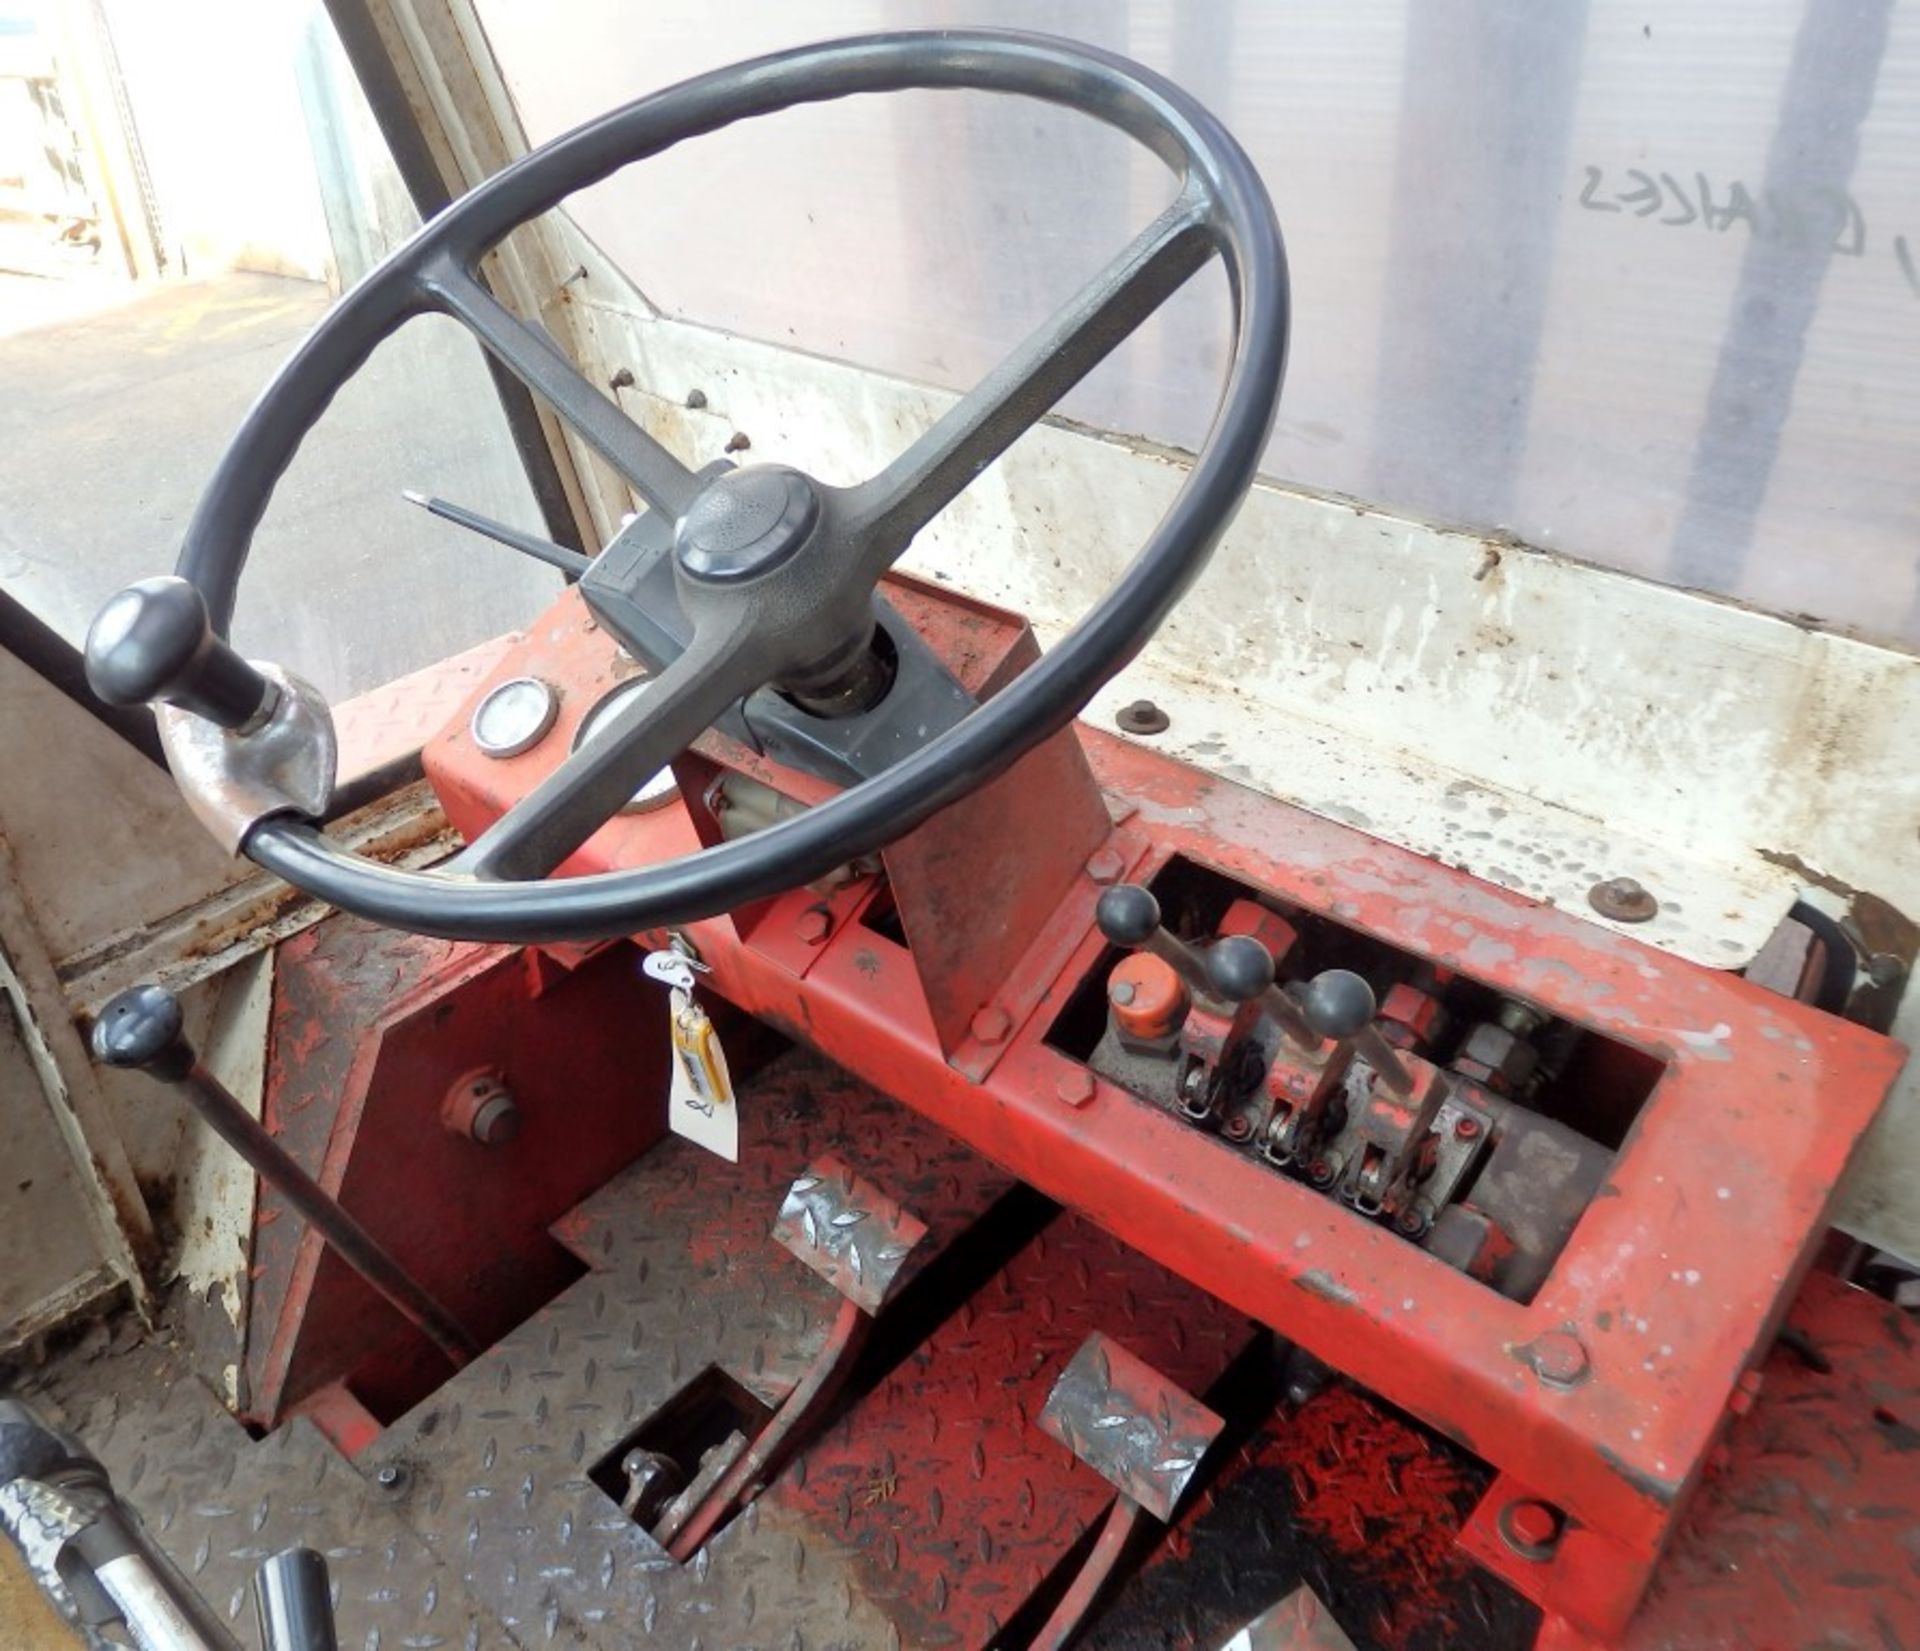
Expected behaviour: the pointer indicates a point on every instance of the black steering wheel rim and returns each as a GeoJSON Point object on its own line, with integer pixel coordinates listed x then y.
{"type": "Point", "coordinates": [1040, 702]}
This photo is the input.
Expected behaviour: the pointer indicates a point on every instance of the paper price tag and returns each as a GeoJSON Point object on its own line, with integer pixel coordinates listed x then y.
{"type": "Point", "coordinates": [700, 1103]}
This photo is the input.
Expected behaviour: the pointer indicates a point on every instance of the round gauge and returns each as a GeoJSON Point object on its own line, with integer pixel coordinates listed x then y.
{"type": "Point", "coordinates": [663, 787]}
{"type": "Point", "coordinates": [515, 717]}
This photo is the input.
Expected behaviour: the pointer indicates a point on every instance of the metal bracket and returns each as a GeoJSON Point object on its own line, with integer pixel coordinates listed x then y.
{"type": "Point", "coordinates": [233, 781]}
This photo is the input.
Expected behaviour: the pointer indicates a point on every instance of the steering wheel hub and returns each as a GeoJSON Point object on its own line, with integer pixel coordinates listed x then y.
{"type": "Point", "coordinates": [746, 523]}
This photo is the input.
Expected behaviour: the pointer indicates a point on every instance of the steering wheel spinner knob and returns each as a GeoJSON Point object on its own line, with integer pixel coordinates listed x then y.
{"type": "Point", "coordinates": [154, 641]}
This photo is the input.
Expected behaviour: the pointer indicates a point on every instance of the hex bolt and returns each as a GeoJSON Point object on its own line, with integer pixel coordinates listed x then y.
{"type": "Point", "coordinates": [480, 1107]}
{"type": "Point", "coordinates": [1559, 1360]}
{"type": "Point", "coordinates": [392, 1478]}
{"type": "Point", "coordinates": [814, 925]}
{"type": "Point", "coordinates": [1466, 1127]}
{"type": "Point", "coordinates": [991, 1024]}
{"type": "Point", "coordinates": [1105, 865]}
{"type": "Point", "coordinates": [1623, 900]}
{"type": "Point", "coordinates": [1076, 1087]}
{"type": "Point", "coordinates": [1531, 1529]}
{"type": "Point", "coordinates": [1142, 717]}
{"type": "Point", "coordinates": [497, 1121]}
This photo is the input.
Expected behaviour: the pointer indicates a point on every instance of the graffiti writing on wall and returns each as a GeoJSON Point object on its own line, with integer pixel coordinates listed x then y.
{"type": "Point", "coordinates": [1804, 217]}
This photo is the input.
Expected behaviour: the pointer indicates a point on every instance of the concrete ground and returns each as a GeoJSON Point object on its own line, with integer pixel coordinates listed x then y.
{"type": "Point", "coordinates": [116, 402]}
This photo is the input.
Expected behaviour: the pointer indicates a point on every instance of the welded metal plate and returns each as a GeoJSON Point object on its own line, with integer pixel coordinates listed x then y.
{"type": "Point", "coordinates": [1130, 1424]}
{"type": "Point", "coordinates": [848, 1231]}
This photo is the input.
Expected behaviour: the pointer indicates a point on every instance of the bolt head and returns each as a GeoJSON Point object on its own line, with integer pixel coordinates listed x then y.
{"type": "Point", "coordinates": [1105, 865]}
{"type": "Point", "coordinates": [1077, 1087]}
{"type": "Point", "coordinates": [1886, 969]}
{"type": "Point", "coordinates": [391, 1477]}
{"type": "Point", "coordinates": [991, 1024]}
{"type": "Point", "coordinates": [1623, 900]}
{"type": "Point", "coordinates": [496, 1120]}
{"type": "Point", "coordinates": [1559, 1360]}
{"type": "Point", "coordinates": [1142, 717]}
{"type": "Point", "coordinates": [814, 926]}
{"type": "Point", "coordinates": [1466, 1128]}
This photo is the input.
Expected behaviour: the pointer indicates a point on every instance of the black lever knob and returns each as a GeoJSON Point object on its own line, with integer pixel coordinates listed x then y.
{"type": "Point", "coordinates": [1339, 1004]}
{"type": "Point", "coordinates": [1129, 916]}
{"type": "Point", "coordinates": [153, 641]}
{"type": "Point", "coordinates": [143, 1028]}
{"type": "Point", "coordinates": [1241, 969]}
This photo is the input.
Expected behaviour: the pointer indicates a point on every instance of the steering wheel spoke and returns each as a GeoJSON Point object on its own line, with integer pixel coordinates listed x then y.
{"type": "Point", "coordinates": [531, 355]}
{"type": "Point", "coordinates": [894, 505]}
{"type": "Point", "coordinates": [598, 779]}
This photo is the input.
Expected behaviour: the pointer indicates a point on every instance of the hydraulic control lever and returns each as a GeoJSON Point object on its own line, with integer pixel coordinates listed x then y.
{"type": "Point", "coordinates": [1129, 916]}
{"type": "Point", "coordinates": [1338, 1004]}
{"type": "Point", "coordinates": [142, 1028]}
{"type": "Point", "coordinates": [1241, 970]}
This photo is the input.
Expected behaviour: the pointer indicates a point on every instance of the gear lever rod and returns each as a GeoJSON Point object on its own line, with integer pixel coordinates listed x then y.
{"type": "Point", "coordinates": [142, 1029]}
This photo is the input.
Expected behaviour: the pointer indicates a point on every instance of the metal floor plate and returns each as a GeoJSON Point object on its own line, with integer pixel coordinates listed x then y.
{"type": "Point", "coordinates": [218, 1502]}
{"type": "Point", "coordinates": [686, 1275]}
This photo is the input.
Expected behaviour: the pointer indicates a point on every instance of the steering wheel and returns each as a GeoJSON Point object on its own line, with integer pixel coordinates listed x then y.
{"type": "Point", "coordinates": [775, 571]}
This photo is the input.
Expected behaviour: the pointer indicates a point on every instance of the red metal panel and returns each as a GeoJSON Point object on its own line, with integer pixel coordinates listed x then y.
{"type": "Point", "coordinates": [368, 1031]}
{"type": "Point", "coordinates": [1606, 1392]}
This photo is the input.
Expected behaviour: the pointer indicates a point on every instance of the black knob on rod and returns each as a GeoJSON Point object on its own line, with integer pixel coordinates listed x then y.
{"type": "Point", "coordinates": [1129, 916]}
{"type": "Point", "coordinates": [1241, 969]}
{"type": "Point", "coordinates": [153, 641]}
{"type": "Point", "coordinates": [1339, 1004]}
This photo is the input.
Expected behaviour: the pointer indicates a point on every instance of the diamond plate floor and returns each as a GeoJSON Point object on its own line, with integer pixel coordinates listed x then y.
{"type": "Point", "coordinates": [923, 1520]}
{"type": "Point", "coordinates": [218, 1502]}
{"type": "Point", "coordinates": [685, 1275]}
